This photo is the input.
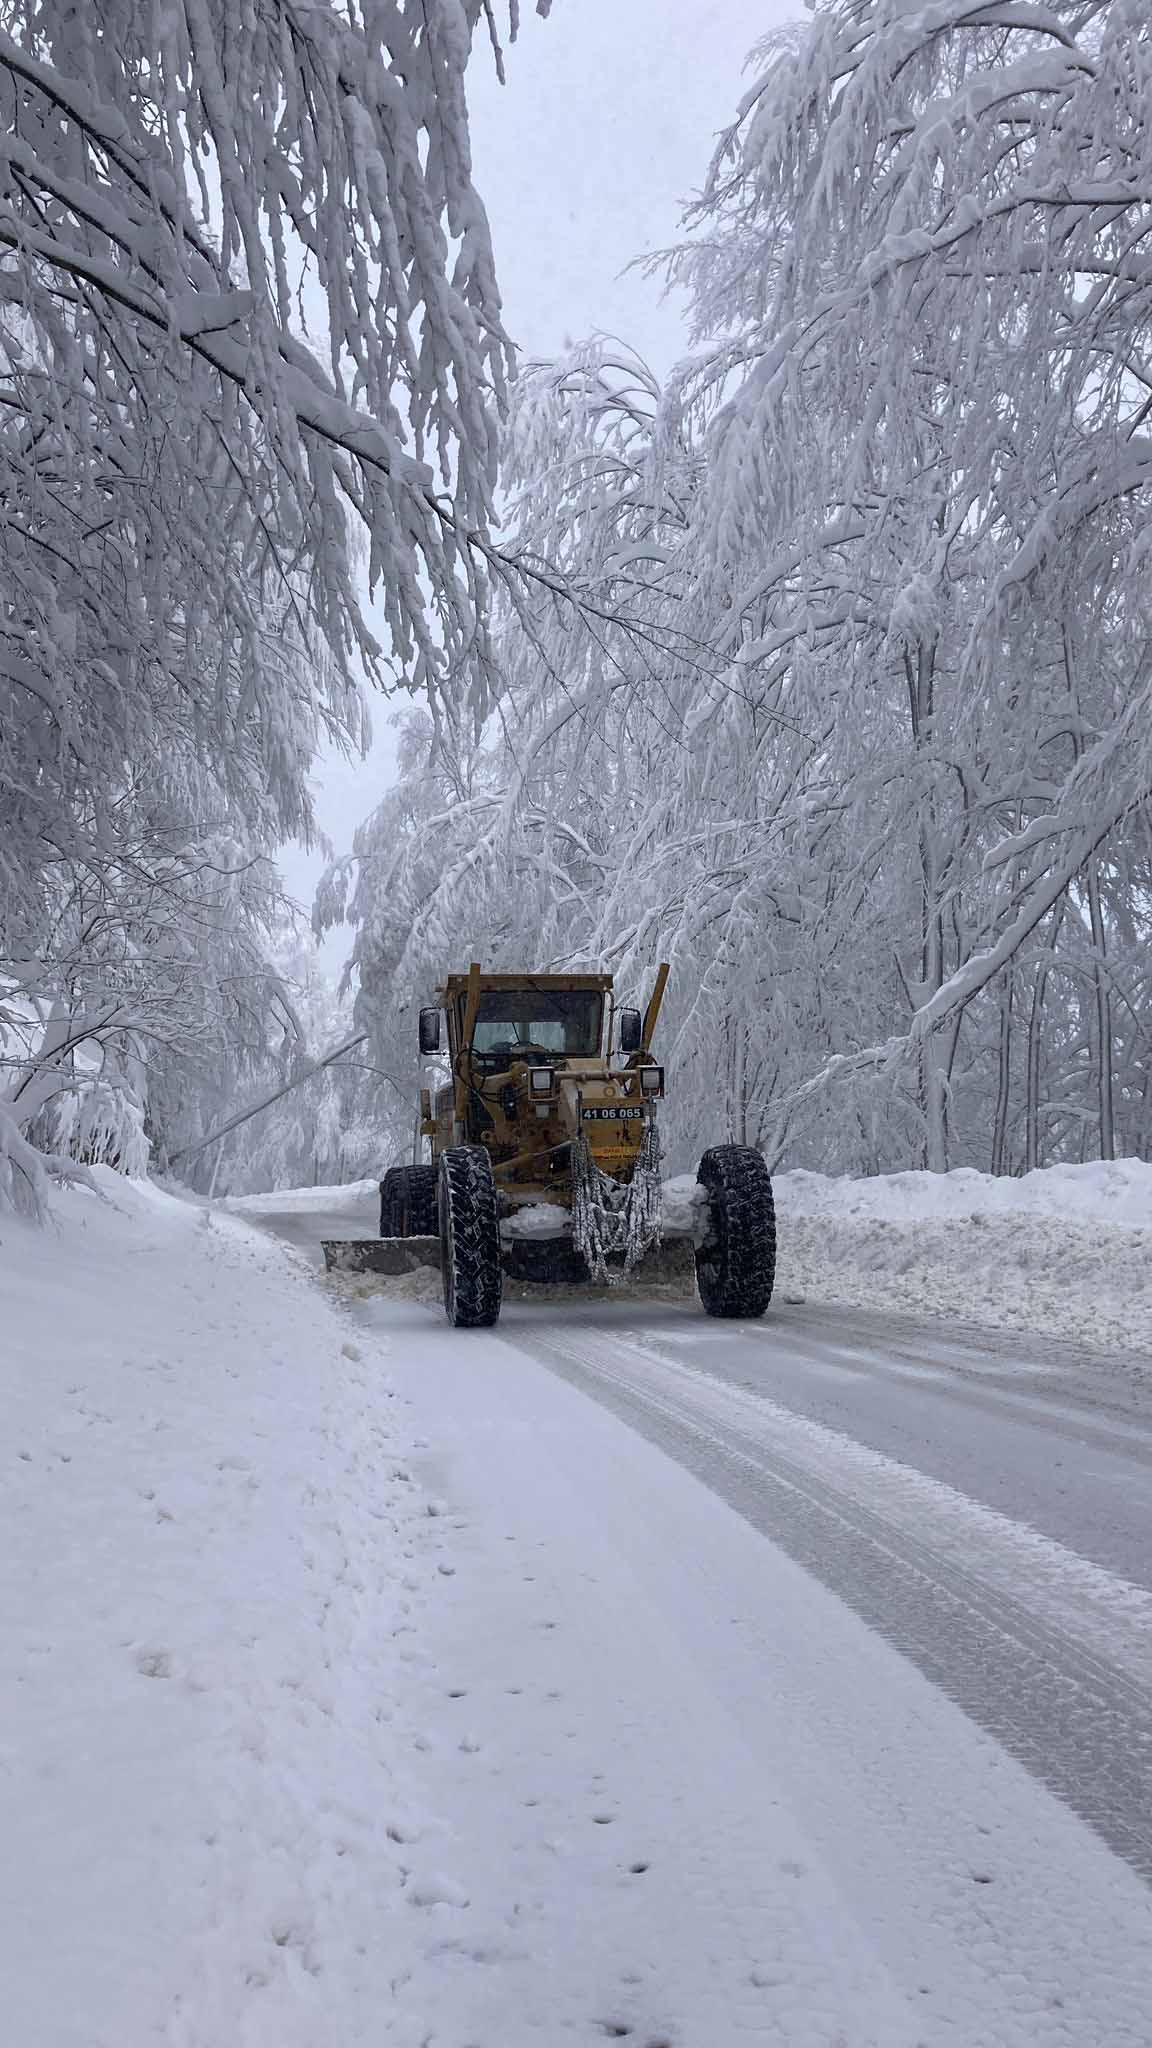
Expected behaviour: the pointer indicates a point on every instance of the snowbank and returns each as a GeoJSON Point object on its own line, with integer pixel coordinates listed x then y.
{"type": "Point", "coordinates": [1065, 1251]}
{"type": "Point", "coordinates": [1110, 1191]}
{"type": "Point", "coordinates": [352, 1196]}
{"type": "Point", "coordinates": [210, 1546]}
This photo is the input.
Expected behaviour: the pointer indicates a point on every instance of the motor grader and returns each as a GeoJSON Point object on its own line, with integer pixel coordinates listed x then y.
{"type": "Point", "coordinates": [545, 1145]}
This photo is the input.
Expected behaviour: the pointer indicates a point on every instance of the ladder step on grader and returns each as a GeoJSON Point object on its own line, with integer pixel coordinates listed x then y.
{"type": "Point", "coordinates": [545, 1158]}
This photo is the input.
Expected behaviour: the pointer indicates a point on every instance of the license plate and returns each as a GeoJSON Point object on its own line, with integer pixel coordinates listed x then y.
{"type": "Point", "coordinates": [611, 1113]}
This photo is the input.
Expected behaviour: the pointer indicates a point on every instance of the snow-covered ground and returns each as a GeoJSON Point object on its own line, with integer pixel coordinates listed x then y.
{"type": "Point", "coordinates": [212, 1552]}
{"type": "Point", "coordinates": [1066, 1251]}
{"type": "Point", "coordinates": [362, 1682]}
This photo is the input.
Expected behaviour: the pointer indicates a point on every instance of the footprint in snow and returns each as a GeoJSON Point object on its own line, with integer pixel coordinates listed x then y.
{"type": "Point", "coordinates": [403, 1831]}
{"type": "Point", "coordinates": [432, 1889]}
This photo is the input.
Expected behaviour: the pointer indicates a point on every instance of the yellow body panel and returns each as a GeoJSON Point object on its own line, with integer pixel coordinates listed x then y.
{"type": "Point", "coordinates": [529, 1139]}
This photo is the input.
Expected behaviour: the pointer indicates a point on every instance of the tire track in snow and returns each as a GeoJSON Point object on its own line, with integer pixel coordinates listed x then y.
{"type": "Point", "coordinates": [1048, 1653]}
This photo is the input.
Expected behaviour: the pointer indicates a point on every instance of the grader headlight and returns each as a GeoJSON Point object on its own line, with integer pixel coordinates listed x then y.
{"type": "Point", "coordinates": [651, 1081]}
{"type": "Point", "coordinates": [541, 1088]}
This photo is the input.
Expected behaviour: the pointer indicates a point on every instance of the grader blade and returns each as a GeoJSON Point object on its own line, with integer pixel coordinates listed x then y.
{"type": "Point", "coordinates": [549, 1262]}
{"type": "Point", "coordinates": [392, 1255]}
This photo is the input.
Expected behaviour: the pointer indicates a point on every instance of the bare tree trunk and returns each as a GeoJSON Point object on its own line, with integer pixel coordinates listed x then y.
{"type": "Point", "coordinates": [1032, 1147]}
{"type": "Point", "coordinates": [1143, 1146]}
{"type": "Point", "coordinates": [1004, 1077]}
{"type": "Point", "coordinates": [1104, 1079]}
{"type": "Point", "coordinates": [934, 1085]}
{"type": "Point", "coordinates": [921, 680]}
{"type": "Point", "coordinates": [740, 1082]}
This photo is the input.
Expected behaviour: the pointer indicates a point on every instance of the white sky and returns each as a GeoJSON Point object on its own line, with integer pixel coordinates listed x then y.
{"type": "Point", "coordinates": [584, 161]}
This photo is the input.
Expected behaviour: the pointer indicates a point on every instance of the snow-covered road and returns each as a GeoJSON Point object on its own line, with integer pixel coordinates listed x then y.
{"type": "Point", "coordinates": [825, 1707]}
{"type": "Point", "coordinates": [616, 1675]}
{"type": "Point", "coordinates": [984, 1500]}
{"type": "Point", "coordinates": [949, 1554]}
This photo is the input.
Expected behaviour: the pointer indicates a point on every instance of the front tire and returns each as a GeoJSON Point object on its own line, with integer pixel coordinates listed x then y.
{"type": "Point", "coordinates": [470, 1254]}
{"type": "Point", "coordinates": [736, 1265]}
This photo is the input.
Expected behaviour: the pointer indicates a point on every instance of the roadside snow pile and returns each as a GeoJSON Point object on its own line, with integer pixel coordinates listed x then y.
{"type": "Point", "coordinates": [1112, 1191]}
{"type": "Point", "coordinates": [212, 1549]}
{"type": "Point", "coordinates": [1066, 1251]}
{"type": "Point", "coordinates": [352, 1196]}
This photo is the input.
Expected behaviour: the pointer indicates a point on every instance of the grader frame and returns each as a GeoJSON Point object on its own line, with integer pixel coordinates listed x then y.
{"type": "Point", "coordinates": [543, 1134]}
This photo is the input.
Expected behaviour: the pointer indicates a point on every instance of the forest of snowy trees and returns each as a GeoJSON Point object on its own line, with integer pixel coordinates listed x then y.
{"type": "Point", "coordinates": [251, 368]}
{"type": "Point", "coordinates": [822, 669]}
{"type": "Point", "coordinates": [854, 724]}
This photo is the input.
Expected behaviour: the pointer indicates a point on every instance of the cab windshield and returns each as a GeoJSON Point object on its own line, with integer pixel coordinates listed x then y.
{"type": "Point", "coordinates": [564, 1023]}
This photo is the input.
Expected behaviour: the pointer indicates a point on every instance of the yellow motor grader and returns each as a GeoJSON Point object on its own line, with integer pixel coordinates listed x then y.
{"type": "Point", "coordinates": [545, 1147]}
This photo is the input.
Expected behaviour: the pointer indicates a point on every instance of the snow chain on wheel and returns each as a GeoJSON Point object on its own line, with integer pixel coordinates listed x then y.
{"type": "Point", "coordinates": [736, 1265]}
{"type": "Point", "coordinates": [408, 1202]}
{"type": "Point", "coordinates": [469, 1238]}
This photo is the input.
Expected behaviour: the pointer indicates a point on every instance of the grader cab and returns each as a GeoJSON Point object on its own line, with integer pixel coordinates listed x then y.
{"type": "Point", "coordinates": [545, 1149]}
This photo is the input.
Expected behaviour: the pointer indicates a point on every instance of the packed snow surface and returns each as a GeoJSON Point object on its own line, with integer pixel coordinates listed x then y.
{"type": "Point", "coordinates": [363, 1683]}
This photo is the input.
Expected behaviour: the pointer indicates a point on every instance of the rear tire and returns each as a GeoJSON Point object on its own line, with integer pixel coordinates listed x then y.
{"type": "Point", "coordinates": [423, 1202]}
{"type": "Point", "coordinates": [470, 1253]}
{"type": "Point", "coordinates": [390, 1202]}
{"type": "Point", "coordinates": [409, 1202]}
{"type": "Point", "coordinates": [736, 1266]}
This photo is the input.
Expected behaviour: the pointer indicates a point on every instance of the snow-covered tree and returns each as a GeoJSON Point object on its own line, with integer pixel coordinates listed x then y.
{"type": "Point", "coordinates": [343, 1122]}
{"type": "Point", "coordinates": [945, 413]}
{"type": "Point", "coordinates": [249, 326]}
{"type": "Point", "coordinates": [854, 723]}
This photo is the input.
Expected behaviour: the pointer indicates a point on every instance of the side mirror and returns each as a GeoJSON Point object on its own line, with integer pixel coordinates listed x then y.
{"type": "Point", "coordinates": [631, 1030]}
{"type": "Point", "coordinates": [429, 1031]}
